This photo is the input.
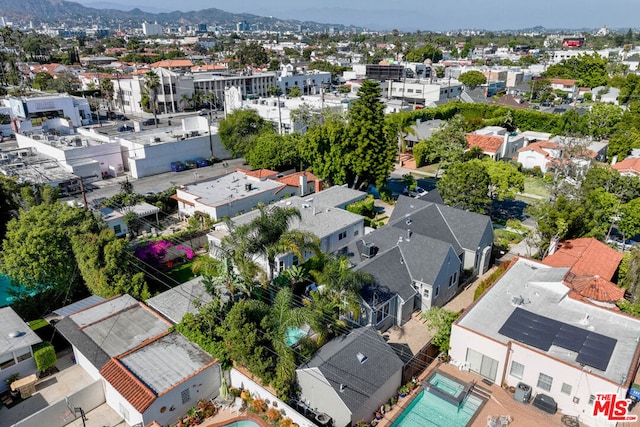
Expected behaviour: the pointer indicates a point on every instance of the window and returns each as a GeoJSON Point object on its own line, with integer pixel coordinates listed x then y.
{"type": "Point", "coordinates": [436, 291]}
{"type": "Point", "coordinates": [566, 388]}
{"type": "Point", "coordinates": [544, 382]}
{"type": "Point", "coordinates": [517, 370]}
{"type": "Point", "coordinates": [280, 265]}
{"type": "Point", "coordinates": [382, 313]}
{"type": "Point", "coordinates": [185, 396]}
{"type": "Point", "coordinates": [117, 229]}
{"type": "Point", "coordinates": [6, 360]}
{"type": "Point", "coordinates": [23, 354]}
{"type": "Point", "coordinates": [342, 235]}
{"type": "Point", "coordinates": [453, 279]}
{"type": "Point", "coordinates": [356, 232]}
{"type": "Point", "coordinates": [296, 261]}
{"type": "Point", "coordinates": [425, 293]}
{"type": "Point", "coordinates": [592, 399]}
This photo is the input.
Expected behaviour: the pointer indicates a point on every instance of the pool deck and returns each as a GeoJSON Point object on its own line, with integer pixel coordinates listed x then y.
{"type": "Point", "coordinates": [501, 402]}
{"type": "Point", "coordinates": [227, 416]}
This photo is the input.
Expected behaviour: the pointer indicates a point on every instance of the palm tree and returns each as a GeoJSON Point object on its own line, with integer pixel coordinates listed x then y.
{"type": "Point", "coordinates": [186, 100]}
{"type": "Point", "coordinates": [106, 89]}
{"type": "Point", "coordinates": [340, 285]}
{"type": "Point", "coordinates": [269, 235]}
{"type": "Point", "coordinates": [283, 316]}
{"type": "Point", "coordinates": [226, 278]}
{"type": "Point", "coordinates": [151, 84]}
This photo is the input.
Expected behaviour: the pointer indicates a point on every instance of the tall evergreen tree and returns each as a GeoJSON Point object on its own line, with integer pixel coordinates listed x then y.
{"type": "Point", "coordinates": [371, 150]}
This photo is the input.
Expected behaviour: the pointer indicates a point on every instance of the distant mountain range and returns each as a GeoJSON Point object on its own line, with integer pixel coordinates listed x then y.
{"type": "Point", "coordinates": [74, 14]}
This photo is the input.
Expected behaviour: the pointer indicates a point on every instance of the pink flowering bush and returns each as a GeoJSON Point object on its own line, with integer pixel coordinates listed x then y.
{"type": "Point", "coordinates": [155, 252]}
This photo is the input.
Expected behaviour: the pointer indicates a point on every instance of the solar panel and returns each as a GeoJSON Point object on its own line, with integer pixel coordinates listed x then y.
{"type": "Point", "coordinates": [541, 332]}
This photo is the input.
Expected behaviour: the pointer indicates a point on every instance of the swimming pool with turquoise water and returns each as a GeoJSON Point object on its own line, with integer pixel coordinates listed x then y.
{"type": "Point", "coordinates": [429, 410]}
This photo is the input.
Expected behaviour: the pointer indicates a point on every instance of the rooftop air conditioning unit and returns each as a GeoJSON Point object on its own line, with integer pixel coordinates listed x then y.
{"type": "Point", "coordinates": [369, 250]}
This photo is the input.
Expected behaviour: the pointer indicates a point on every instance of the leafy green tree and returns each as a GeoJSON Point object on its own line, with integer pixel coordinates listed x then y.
{"type": "Point", "coordinates": [251, 54]}
{"type": "Point", "coordinates": [37, 250]}
{"type": "Point", "coordinates": [558, 220]}
{"type": "Point", "coordinates": [295, 92]}
{"type": "Point", "coordinates": [225, 278]}
{"type": "Point", "coordinates": [588, 70]}
{"type": "Point", "coordinates": [371, 149]}
{"type": "Point", "coordinates": [505, 179]}
{"type": "Point", "coordinates": [273, 151]}
{"type": "Point", "coordinates": [106, 267]}
{"type": "Point", "coordinates": [425, 52]}
{"type": "Point", "coordinates": [629, 223]}
{"type": "Point", "coordinates": [629, 276]}
{"type": "Point", "coordinates": [623, 141]}
{"type": "Point", "coordinates": [240, 129]}
{"type": "Point", "coordinates": [472, 78]}
{"type": "Point", "coordinates": [466, 185]}
{"type": "Point", "coordinates": [603, 119]}
{"type": "Point", "coordinates": [42, 80]}
{"type": "Point", "coordinates": [324, 146]}
{"type": "Point", "coordinates": [447, 144]}
{"type": "Point", "coordinates": [441, 320]}
{"type": "Point", "coordinates": [246, 341]}
{"type": "Point", "coordinates": [9, 202]}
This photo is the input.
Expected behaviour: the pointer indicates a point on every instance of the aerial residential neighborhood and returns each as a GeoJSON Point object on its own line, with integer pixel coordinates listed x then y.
{"type": "Point", "coordinates": [218, 218]}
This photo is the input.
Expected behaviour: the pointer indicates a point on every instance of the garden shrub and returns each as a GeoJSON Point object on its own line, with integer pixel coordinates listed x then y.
{"type": "Point", "coordinates": [45, 357]}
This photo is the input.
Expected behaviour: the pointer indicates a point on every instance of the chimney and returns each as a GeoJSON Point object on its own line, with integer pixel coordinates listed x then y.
{"type": "Point", "coordinates": [303, 184]}
{"type": "Point", "coordinates": [318, 185]}
{"type": "Point", "coordinates": [409, 233]}
{"type": "Point", "coordinates": [504, 146]}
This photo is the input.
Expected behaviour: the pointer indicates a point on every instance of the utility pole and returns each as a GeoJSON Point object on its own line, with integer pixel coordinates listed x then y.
{"type": "Point", "coordinates": [84, 195]}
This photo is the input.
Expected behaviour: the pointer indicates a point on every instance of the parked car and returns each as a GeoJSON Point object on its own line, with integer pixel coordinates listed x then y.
{"type": "Point", "coordinates": [203, 112]}
{"type": "Point", "coordinates": [177, 166]}
{"type": "Point", "coordinates": [150, 122]}
{"type": "Point", "coordinates": [202, 162]}
{"type": "Point", "coordinates": [416, 192]}
{"type": "Point", "coordinates": [190, 164]}
{"type": "Point", "coordinates": [125, 128]}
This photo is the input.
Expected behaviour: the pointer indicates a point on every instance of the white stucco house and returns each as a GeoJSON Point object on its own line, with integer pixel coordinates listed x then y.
{"type": "Point", "coordinates": [241, 191]}
{"type": "Point", "coordinates": [16, 347]}
{"type": "Point", "coordinates": [148, 373]}
{"type": "Point", "coordinates": [334, 227]}
{"type": "Point", "coordinates": [531, 328]}
{"type": "Point", "coordinates": [539, 155]}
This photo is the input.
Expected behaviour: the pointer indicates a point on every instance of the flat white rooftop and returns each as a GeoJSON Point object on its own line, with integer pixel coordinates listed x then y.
{"type": "Point", "coordinates": [537, 288]}
{"type": "Point", "coordinates": [225, 189]}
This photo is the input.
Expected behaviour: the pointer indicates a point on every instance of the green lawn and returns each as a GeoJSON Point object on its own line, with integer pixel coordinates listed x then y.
{"type": "Point", "coordinates": [535, 185]}
{"type": "Point", "coordinates": [182, 273]}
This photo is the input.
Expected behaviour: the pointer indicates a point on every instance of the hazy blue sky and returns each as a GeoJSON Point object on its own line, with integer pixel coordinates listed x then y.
{"type": "Point", "coordinates": [427, 15]}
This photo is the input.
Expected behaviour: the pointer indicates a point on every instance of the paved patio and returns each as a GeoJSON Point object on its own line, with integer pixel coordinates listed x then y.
{"type": "Point", "coordinates": [69, 379]}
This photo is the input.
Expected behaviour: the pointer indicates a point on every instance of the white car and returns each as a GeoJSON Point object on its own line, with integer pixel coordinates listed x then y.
{"type": "Point", "coordinates": [416, 192]}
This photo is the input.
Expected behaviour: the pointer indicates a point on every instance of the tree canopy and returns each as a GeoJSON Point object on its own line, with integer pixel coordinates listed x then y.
{"type": "Point", "coordinates": [472, 78]}
{"type": "Point", "coordinates": [240, 130]}
{"type": "Point", "coordinates": [466, 185]}
{"type": "Point", "coordinates": [588, 70]}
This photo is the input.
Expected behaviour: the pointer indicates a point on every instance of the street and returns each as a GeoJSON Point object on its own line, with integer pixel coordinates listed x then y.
{"type": "Point", "coordinates": [109, 187]}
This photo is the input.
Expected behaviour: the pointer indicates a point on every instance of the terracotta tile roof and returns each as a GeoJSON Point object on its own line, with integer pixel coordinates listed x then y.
{"type": "Point", "coordinates": [586, 257]}
{"type": "Point", "coordinates": [595, 288]}
{"type": "Point", "coordinates": [487, 143]}
{"type": "Point", "coordinates": [293, 180]}
{"type": "Point", "coordinates": [512, 101]}
{"type": "Point", "coordinates": [259, 173]}
{"type": "Point", "coordinates": [172, 63]}
{"type": "Point", "coordinates": [629, 165]}
{"type": "Point", "coordinates": [131, 388]}
{"type": "Point", "coordinates": [565, 82]}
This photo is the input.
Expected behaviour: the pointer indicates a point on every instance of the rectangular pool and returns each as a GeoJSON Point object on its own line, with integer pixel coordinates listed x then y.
{"type": "Point", "coordinates": [432, 410]}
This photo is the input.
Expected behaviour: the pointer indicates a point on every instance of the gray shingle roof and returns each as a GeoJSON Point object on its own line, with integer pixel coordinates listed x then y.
{"type": "Point", "coordinates": [391, 277]}
{"type": "Point", "coordinates": [176, 302]}
{"type": "Point", "coordinates": [72, 333]}
{"type": "Point", "coordinates": [338, 362]}
{"type": "Point", "coordinates": [460, 228]}
{"type": "Point", "coordinates": [336, 196]}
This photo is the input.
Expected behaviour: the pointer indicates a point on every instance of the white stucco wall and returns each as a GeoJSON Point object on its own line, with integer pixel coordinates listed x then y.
{"type": "Point", "coordinates": [316, 390]}
{"type": "Point", "coordinates": [463, 339]}
{"type": "Point", "coordinates": [86, 365]}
